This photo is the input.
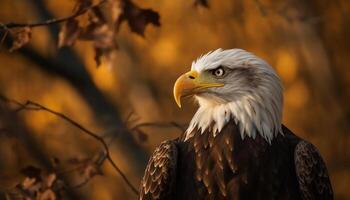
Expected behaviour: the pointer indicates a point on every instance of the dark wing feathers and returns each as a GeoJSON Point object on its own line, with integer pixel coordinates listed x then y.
{"type": "Point", "coordinates": [160, 173]}
{"type": "Point", "coordinates": [312, 174]}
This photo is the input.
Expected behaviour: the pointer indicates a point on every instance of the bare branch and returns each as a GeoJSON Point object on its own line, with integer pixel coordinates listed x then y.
{"type": "Point", "coordinates": [50, 21]}
{"type": "Point", "coordinates": [105, 155]}
{"type": "Point", "coordinates": [4, 36]}
{"type": "Point", "coordinates": [30, 105]}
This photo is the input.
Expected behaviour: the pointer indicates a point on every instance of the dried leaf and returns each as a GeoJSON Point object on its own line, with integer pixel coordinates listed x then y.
{"type": "Point", "coordinates": [47, 195]}
{"type": "Point", "coordinates": [98, 14]}
{"type": "Point", "coordinates": [30, 186]}
{"type": "Point", "coordinates": [115, 10]}
{"type": "Point", "coordinates": [203, 3]}
{"type": "Point", "coordinates": [39, 184]}
{"type": "Point", "coordinates": [69, 33]}
{"type": "Point", "coordinates": [102, 37]}
{"type": "Point", "coordinates": [137, 18]}
{"type": "Point", "coordinates": [21, 38]}
{"type": "Point", "coordinates": [104, 43]}
{"type": "Point", "coordinates": [49, 180]}
{"type": "Point", "coordinates": [92, 170]}
{"type": "Point", "coordinates": [28, 183]}
{"type": "Point", "coordinates": [71, 30]}
{"type": "Point", "coordinates": [100, 33]}
{"type": "Point", "coordinates": [82, 5]}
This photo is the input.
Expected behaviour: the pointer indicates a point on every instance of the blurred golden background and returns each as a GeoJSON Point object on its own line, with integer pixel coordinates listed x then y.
{"type": "Point", "coordinates": [307, 42]}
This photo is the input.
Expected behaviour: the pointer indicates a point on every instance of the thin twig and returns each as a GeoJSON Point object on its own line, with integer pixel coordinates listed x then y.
{"type": "Point", "coordinates": [30, 105]}
{"type": "Point", "coordinates": [4, 36]}
{"type": "Point", "coordinates": [50, 21]}
{"type": "Point", "coordinates": [98, 162]}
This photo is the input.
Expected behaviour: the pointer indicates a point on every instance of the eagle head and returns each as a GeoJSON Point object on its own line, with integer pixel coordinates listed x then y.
{"type": "Point", "coordinates": [233, 86]}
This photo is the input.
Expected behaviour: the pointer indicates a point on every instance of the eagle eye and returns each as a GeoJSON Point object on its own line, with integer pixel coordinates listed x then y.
{"type": "Point", "coordinates": [218, 72]}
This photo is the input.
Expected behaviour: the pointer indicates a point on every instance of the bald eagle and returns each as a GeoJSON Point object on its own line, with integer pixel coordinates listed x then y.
{"type": "Point", "coordinates": [235, 146]}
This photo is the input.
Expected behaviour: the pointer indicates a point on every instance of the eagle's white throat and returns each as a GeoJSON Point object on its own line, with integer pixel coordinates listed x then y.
{"type": "Point", "coordinates": [255, 107]}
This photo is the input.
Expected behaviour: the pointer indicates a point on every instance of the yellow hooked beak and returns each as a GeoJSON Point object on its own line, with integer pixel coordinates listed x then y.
{"type": "Point", "coordinates": [191, 83]}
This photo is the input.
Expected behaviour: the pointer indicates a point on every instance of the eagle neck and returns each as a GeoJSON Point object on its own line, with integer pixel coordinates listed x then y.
{"type": "Point", "coordinates": [250, 115]}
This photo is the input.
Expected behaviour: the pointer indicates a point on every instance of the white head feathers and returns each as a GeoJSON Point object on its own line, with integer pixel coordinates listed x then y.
{"type": "Point", "coordinates": [252, 96]}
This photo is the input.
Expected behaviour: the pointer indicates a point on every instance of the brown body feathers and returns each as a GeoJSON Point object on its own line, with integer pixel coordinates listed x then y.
{"type": "Point", "coordinates": [227, 167]}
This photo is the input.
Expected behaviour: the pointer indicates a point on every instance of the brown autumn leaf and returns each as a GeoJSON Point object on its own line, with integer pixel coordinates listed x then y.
{"type": "Point", "coordinates": [137, 18]}
{"type": "Point", "coordinates": [88, 166]}
{"type": "Point", "coordinates": [30, 186]}
{"type": "Point", "coordinates": [97, 15]}
{"type": "Point", "coordinates": [104, 43]}
{"type": "Point", "coordinates": [90, 31]}
{"type": "Point", "coordinates": [82, 5]}
{"type": "Point", "coordinates": [20, 38]}
{"type": "Point", "coordinates": [203, 3]}
{"type": "Point", "coordinates": [99, 33]}
{"type": "Point", "coordinates": [69, 33]}
{"type": "Point", "coordinates": [38, 184]}
{"type": "Point", "coordinates": [102, 37]}
{"type": "Point", "coordinates": [70, 30]}
{"type": "Point", "coordinates": [49, 180]}
{"type": "Point", "coordinates": [91, 170]}
{"type": "Point", "coordinates": [47, 195]}
{"type": "Point", "coordinates": [28, 183]}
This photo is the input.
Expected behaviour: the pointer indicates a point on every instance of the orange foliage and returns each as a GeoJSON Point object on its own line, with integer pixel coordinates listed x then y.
{"type": "Point", "coordinates": [139, 77]}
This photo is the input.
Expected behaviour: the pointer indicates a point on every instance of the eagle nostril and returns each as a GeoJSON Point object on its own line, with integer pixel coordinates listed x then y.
{"type": "Point", "coordinates": [191, 77]}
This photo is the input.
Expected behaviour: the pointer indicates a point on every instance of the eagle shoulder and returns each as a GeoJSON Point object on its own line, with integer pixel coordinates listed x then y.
{"type": "Point", "coordinates": [312, 173]}
{"type": "Point", "coordinates": [160, 174]}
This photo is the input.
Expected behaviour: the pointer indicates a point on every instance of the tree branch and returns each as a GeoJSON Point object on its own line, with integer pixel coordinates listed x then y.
{"type": "Point", "coordinates": [30, 105]}
{"type": "Point", "coordinates": [104, 111]}
{"type": "Point", "coordinates": [50, 21]}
